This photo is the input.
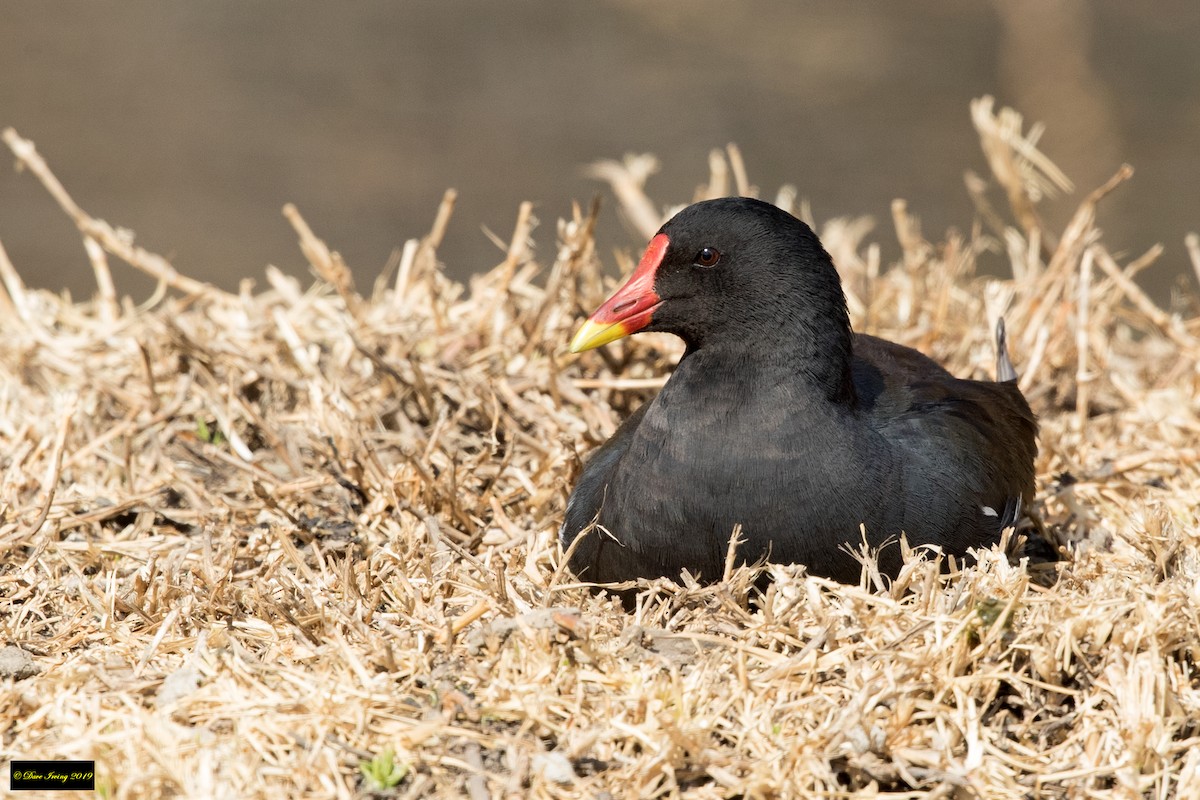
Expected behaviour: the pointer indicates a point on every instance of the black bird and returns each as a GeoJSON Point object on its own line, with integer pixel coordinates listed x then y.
{"type": "Point", "coordinates": [780, 418]}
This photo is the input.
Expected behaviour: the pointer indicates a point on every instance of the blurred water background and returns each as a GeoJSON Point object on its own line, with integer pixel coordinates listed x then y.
{"type": "Point", "coordinates": [193, 123]}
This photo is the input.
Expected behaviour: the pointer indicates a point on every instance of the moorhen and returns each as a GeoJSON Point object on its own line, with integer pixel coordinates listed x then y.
{"type": "Point", "coordinates": [779, 418]}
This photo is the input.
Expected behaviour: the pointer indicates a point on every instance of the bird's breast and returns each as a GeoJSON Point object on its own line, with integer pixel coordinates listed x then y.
{"type": "Point", "coordinates": [794, 482]}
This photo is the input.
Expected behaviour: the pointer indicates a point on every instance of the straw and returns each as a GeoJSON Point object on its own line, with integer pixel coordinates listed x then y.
{"type": "Point", "coordinates": [303, 543]}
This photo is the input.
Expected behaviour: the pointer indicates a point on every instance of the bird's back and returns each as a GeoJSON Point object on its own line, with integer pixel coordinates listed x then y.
{"type": "Point", "coordinates": [968, 446]}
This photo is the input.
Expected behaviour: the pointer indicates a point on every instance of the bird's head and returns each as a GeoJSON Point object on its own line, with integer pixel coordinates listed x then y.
{"type": "Point", "coordinates": [728, 270]}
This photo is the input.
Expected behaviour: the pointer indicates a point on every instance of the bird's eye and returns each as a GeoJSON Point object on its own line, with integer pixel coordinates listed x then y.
{"type": "Point", "coordinates": [708, 257]}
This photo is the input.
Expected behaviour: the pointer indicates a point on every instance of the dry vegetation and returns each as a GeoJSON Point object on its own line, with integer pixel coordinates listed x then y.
{"type": "Point", "coordinates": [256, 544]}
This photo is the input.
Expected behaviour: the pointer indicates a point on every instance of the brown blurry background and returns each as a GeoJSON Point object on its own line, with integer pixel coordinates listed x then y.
{"type": "Point", "coordinates": [193, 123]}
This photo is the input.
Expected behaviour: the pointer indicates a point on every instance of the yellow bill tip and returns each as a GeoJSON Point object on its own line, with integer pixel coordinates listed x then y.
{"type": "Point", "coordinates": [593, 334]}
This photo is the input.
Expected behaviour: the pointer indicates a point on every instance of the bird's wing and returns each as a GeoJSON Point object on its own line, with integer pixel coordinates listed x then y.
{"type": "Point", "coordinates": [975, 438]}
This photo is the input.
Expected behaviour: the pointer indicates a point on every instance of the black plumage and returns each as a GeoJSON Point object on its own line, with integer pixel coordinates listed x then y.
{"type": "Point", "coordinates": [779, 418]}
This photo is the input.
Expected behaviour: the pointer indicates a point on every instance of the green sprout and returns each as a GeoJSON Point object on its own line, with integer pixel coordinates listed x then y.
{"type": "Point", "coordinates": [382, 771]}
{"type": "Point", "coordinates": [211, 435]}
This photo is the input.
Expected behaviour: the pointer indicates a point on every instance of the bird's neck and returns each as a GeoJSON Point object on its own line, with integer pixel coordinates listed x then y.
{"type": "Point", "coordinates": [810, 359]}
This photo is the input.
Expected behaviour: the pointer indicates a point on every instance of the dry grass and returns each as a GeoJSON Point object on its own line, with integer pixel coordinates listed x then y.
{"type": "Point", "coordinates": [254, 541]}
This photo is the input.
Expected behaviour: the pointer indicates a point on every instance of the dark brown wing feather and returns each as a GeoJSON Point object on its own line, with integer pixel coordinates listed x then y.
{"type": "Point", "coordinates": [982, 433]}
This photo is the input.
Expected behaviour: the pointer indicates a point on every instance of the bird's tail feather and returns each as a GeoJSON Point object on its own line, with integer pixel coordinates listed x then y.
{"type": "Point", "coordinates": [1004, 366]}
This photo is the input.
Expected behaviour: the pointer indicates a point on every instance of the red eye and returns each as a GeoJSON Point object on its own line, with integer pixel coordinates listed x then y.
{"type": "Point", "coordinates": [708, 257]}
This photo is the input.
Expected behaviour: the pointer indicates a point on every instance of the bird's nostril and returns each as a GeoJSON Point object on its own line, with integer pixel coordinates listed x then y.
{"type": "Point", "coordinates": [619, 307]}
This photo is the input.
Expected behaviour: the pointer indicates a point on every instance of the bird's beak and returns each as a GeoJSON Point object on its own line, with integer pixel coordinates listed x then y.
{"type": "Point", "coordinates": [630, 308]}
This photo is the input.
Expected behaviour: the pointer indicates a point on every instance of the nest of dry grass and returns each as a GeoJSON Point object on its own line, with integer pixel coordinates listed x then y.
{"type": "Point", "coordinates": [300, 542]}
